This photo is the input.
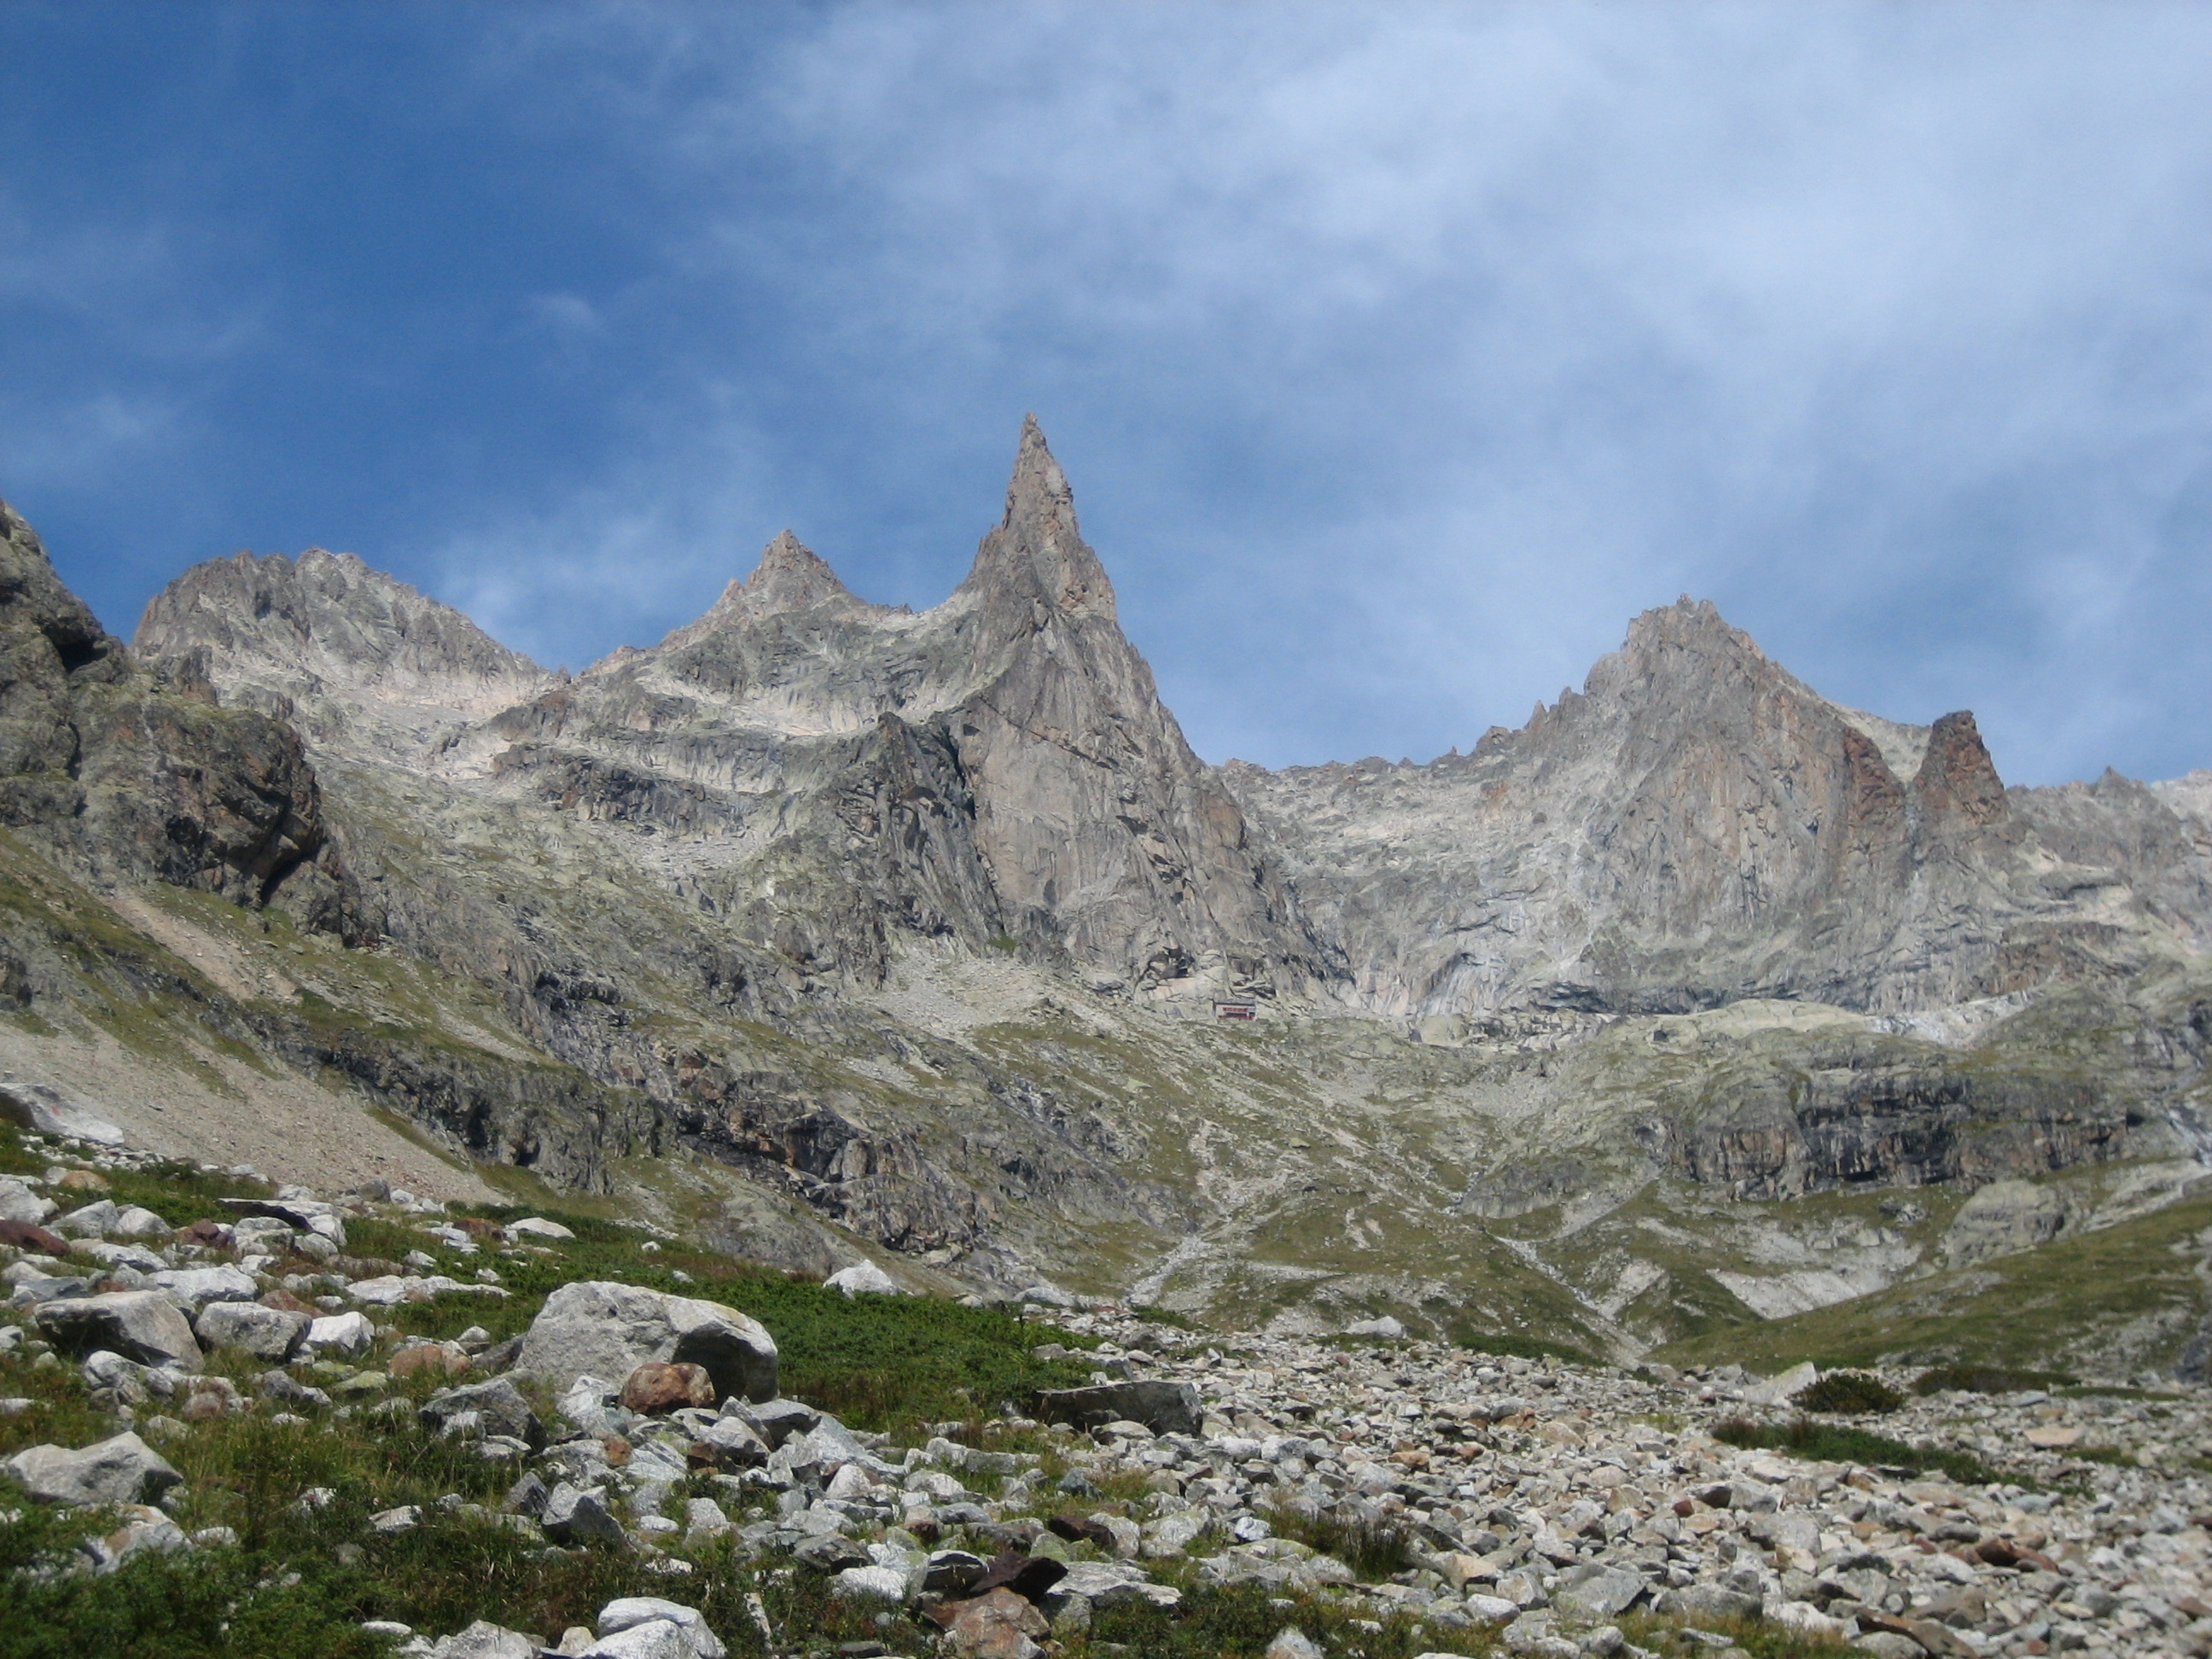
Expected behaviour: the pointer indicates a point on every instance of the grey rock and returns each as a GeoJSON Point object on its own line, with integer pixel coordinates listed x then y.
{"type": "Point", "coordinates": [88, 1221]}
{"type": "Point", "coordinates": [485, 1640]}
{"type": "Point", "coordinates": [141, 1325]}
{"type": "Point", "coordinates": [196, 1287]}
{"type": "Point", "coordinates": [576, 1515]}
{"type": "Point", "coordinates": [19, 1203]}
{"type": "Point", "coordinates": [607, 1329]}
{"type": "Point", "coordinates": [2003, 1217]}
{"type": "Point", "coordinates": [1593, 1591]}
{"type": "Point", "coordinates": [265, 1333]}
{"type": "Point", "coordinates": [629, 1612]}
{"type": "Point", "coordinates": [121, 1470]}
{"type": "Point", "coordinates": [1164, 1407]}
{"type": "Point", "coordinates": [497, 1405]}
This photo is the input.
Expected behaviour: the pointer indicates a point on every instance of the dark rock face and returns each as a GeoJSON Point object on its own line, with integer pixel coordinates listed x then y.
{"type": "Point", "coordinates": [137, 776]}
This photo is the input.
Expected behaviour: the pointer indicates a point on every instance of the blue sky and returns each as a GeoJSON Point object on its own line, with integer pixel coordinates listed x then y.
{"type": "Point", "coordinates": [1398, 355]}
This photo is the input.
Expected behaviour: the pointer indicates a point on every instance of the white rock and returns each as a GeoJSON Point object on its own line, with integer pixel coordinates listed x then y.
{"type": "Point", "coordinates": [862, 1279]}
{"type": "Point", "coordinates": [1775, 1389]}
{"type": "Point", "coordinates": [869, 1583]}
{"type": "Point", "coordinates": [19, 1203]}
{"type": "Point", "coordinates": [633, 1611]}
{"type": "Point", "coordinates": [346, 1333]}
{"type": "Point", "coordinates": [533, 1226]}
{"type": "Point", "coordinates": [138, 1222]}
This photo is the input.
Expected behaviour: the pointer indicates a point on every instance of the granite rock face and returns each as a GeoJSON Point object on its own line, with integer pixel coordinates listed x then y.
{"type": "Point", "coordinates": [1696, 827]}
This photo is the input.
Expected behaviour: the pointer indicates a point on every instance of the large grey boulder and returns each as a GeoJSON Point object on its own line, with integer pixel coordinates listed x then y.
{"type": "Point", "coordinates": [1162, 1407]}
{"type": "Point", "coordinates": [630, 1611]}
{"type": "Point", "coordinates": [124, 1470]}
{"type": "Point", "coordinates": [141, 1325]}
{"type": "Point", "coordinates": [265, 1333]}
{"type": "Point", "coordinates": [605, 1329]}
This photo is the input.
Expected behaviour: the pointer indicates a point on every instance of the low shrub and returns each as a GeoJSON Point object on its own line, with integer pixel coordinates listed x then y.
{"type": "Point", "coordinates": [1849, 1393]}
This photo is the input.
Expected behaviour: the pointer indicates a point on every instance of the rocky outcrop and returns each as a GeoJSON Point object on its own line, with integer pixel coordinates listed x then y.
{"type": "Point", "coordinates": [136, 775]}
{"type": "Point", "coordinates": [359, 660]}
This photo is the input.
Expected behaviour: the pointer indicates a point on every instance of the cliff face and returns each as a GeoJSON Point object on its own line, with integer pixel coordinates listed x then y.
{"type": "Point", "coordinates": [1696, 827]}
{"type": "Point", "coordinates": [128, 774]}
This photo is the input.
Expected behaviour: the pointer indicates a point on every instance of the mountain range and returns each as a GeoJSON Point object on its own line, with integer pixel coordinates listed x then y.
{"type": "Point", "coordinates": [1698, 1004]}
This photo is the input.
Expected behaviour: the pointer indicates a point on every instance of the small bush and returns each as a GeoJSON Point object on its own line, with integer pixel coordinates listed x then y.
{"type": "Point", "coordinates": [1849, 1393]}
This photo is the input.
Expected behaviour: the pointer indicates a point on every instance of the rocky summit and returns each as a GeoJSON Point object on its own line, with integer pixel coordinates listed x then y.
{"type": "Point", "coordinates": [1700, 1019]}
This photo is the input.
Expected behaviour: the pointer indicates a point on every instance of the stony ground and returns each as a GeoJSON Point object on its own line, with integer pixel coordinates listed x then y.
{"type": "Point", "coordinates": [1204, 1493]}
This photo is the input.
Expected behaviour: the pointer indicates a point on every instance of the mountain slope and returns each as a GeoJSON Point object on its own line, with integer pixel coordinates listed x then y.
{"type": "Point", "coordinates": [832, 927]}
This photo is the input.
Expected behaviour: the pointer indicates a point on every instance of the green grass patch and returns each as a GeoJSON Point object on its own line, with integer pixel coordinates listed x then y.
{"type": "Point", "coordinates": [1985, 1379]}
{"type": "Point", "coordinates": [1832, 1442]}
{"type": "Point", "coordinates": [1373, 1548]}
{"type": "Point", "coordinates": [1515, 1346]}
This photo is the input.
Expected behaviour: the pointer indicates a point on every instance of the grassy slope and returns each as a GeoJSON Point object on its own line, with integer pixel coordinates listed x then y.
{"type": "Point", "coordinates": [2115, 1299]}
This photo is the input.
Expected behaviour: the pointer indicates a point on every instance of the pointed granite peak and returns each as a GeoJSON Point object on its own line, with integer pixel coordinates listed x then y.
{"type": "Point", "coordinates": [1036, 549]}
{"type": "Point", "coordinates": [791, 576]}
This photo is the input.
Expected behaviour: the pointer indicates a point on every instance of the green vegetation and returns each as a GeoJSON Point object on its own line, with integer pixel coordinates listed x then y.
{"type": "Point", "coordinates": [1831, 1442]}
{"type": "Point", "coordinates": [1373, 1548]}
{"type": "Point", "coordinates": [1849, 1393]}
{"type": "Point", "coordinates": [1984, 1379]}
{"type": "Point", "coordinates": [2066, 1302]}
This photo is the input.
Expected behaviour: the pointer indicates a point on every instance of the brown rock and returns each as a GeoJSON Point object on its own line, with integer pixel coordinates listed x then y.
{"type": "Point", "coordinates": [84, 1180]}
{"type": "Point", "coordinates": [996, 1625]}
{"type": "Point", "coordinates": [1027, 1575]}
{"type": "Point", "coordinates": [284, 1302]}
{"type": "Point", "coordinates": [660, 1385]}
{"type": "Point", "coordinates": [28, 1236]}
{"type": "Point", "coordinates": [435, 1358]}
{"type": "Point", "coordinates": [204, 1232]}
{"type": "Point", "coordinates": [1074, 1527]}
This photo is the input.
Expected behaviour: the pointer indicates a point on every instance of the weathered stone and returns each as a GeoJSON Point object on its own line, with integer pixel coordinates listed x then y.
{"type": "Point", "coordinates": [576, 1515]}
{"type": "Point", "coordinates": [197, 1287]}
{"type": "Point", "coordinates": [497, 1404]}
{"type": "Point", "coordinates": [88, 1221]}
{"type": "Point", "coordinates": [348, 1334]}
{"type": "Point", "coordinates": [997, 1625]}
{"type": "Point", "coordinates": [122, 1470]}
{"type": "Point", "coordinates": [1597, 1592]}
{"type": "Point", "coordinates": [141, 1325]}
{"type": "Point", "coordinates": [609, 1329]}
{"type": "Point", "coordinates": [485, 1640]}
{"type": "Point", "coordinates": [1162, 1407]}
{"type": "Point", "coordinates": [629, 1612]}
{"type": "Point", "coordinates": [19, 1204]}
{"type": "Point", "coordinates": [2003, 1217]}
